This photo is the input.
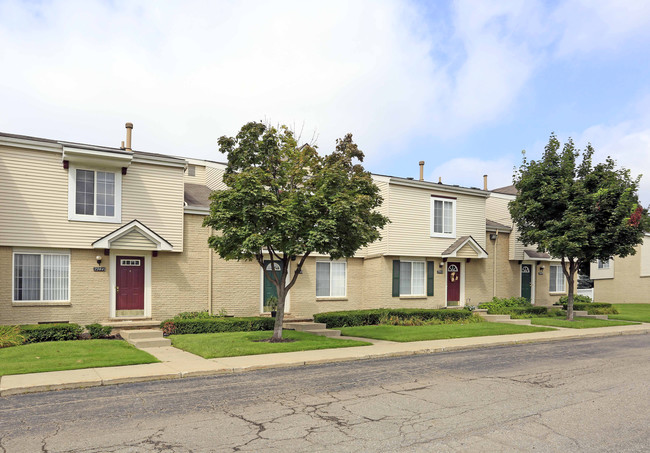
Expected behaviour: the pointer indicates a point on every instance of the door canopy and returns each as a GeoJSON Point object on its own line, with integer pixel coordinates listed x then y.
{"type": "Point", "coordinates": [133, 236]}
{"type": "Point", "coordinates": [465, 247]}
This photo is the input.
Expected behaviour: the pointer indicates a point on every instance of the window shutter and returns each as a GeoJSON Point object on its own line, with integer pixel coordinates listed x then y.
{"type": "Point", "coordinates": [395, 278]}
{"type": "Point", "coordinates": [430, 274]}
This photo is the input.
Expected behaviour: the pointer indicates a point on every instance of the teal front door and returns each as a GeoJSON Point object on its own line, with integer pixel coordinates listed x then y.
{"type": "Point", "coordinates": [526, 280]}
{"type": "Point", "coordinates": [269, 288]}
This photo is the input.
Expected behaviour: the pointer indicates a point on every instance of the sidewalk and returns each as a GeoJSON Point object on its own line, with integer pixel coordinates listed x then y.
{"type": "Point", "coordinates": [176, 364]}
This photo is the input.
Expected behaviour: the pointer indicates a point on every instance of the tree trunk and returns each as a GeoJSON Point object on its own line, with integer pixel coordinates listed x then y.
{"type": "Point", "coordinates": [573, 266]}
{"type": "Point", "coordinates": [279, 316]}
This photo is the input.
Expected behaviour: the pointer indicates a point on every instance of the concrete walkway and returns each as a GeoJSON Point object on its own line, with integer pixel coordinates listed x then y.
{"type": "Point", "coordinates": [177, 364]}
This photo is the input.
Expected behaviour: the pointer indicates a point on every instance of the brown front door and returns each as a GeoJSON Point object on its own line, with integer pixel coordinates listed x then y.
{"type": "Point", "coordinates": [129, 291]}
{"type": "Point", "coordinates": [453, 284]}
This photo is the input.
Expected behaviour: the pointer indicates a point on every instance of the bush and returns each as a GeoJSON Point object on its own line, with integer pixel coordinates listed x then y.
{"type": "Point", "coordinates": [577, 298]}
{"type": "Point", "coordinates": [594, 308]}
{"type": "Point", "coordinates": [354, 318]}
{"type": "Point", "coordinates": [194, 315]}
{"type": "Point", "coordinates": [10, 336]}
{"type": "Point", "coordinates": [212, 325]}
{"type": "Point", "coordinates": [37, 333]}
{"type": "Point", "coordinates": [520, 312]}
{"type": "Point", "coordinates": [98, 331]}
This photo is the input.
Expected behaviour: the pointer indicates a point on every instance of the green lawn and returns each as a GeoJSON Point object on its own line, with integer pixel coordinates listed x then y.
{"type": "Point", "coordinates": [231, 344]}
{"type": "Point", "coordinates": [578, 322]}
{"type": "Point", "coordinates": [632, 312]}
{"type": "Point", "coordinates": [437, 332]}
{"type": "Point", "coordinates": [69, 355]}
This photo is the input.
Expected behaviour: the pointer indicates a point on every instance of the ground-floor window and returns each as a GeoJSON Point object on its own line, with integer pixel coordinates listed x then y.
{"type": "Point", "coordinates": [411, 278]}
{"type": "Point", "coordinates": [41, 276]}
{"type": "Point", "coordinates": [556, 283]}
{"type": "Point", "coordinates": [331, 278]}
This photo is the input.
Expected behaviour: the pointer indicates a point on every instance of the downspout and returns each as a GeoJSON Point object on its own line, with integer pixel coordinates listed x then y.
{"type": "Point", "coordinates": [210, 277]}
{"type": "Point", "coordinates": [494, 268]}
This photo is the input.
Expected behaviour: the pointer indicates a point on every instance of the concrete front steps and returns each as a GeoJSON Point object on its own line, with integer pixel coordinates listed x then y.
{"type": "Point", "coordinates": [585, 314]}
{"type": "Point", "coordinates": [145, 338]}
{"type": "Point", "coordinates": [317, 328]}
{"type": "Point", "coordinates": [501, 318]}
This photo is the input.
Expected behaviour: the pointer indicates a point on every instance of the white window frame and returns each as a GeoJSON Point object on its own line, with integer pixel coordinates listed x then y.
{"type": "Point", "coordinates": [603, 264]}
{"type": "Point", "coordinates": [40, 252]}
{"type": "Point", "coordinates": [453, 219]}
{"type": "Point", "coordinates": [563, 279]}
{"type": "Point", "coordinates": [424, 286]}
{"type": "Point", "coordinates": [72, 196]}
{"type": "Point", "coordinates": [345, 284]}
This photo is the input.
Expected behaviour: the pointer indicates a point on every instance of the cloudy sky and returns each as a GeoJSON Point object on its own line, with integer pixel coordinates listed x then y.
{"type": "Point", "coordinates": [463, 85]}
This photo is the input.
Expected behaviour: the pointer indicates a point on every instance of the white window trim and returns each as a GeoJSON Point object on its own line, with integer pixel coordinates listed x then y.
{"type": "Point", "coordinates": [345, 284]}
{"type": "Point", "coordinates": [564, 282]}
{"type": "Point", "coordinates": [603, 264]}
{"type": "Point", "coordinates": [72, 196]}
{"type": "Point", "coordinates": [425, 278]}
{"type": "Point", "coordinates": [453, 220]}
{"type": "Point", "coordinates": [38, 252]}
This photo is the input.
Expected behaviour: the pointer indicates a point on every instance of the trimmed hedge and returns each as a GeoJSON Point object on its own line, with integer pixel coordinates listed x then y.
{"type": "Point", "coordinates": [97, 331]}
{"type": "Point", "coordinates": [594, 308]}
{"type": "Point", "coordinates": [37, 333]}
{"type": "Point", "coordinates": [355, 318]}
{"type": "Point", "coordinates": [213, 325]}
{"type": "Point", "coordinates": [577, 298]}
{"type": "Point", "coordinates": [523, 312]}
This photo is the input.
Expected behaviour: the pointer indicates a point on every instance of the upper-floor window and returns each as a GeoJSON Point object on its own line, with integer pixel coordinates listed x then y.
{"type": "Point", "coordinates": [41, 276]}
{"type": "Point", "coordinates": [556, 279]}
{"type": "Point", "coordinates": [331, 278]}
{"type": "Point", "coordinates": [94, 195]}
{"type": "Point", "coordinates": [603, 264]}
{"type": "Point", "coordinates": [443, 217]}
{"type": "Point", "coordinates": [191, 170]}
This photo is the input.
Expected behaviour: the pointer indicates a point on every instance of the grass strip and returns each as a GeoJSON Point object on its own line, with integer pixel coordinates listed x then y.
{"type": "Point", "coordinates": [69, 355]}
{"type": "Point", "coordinates": [579, 323]}
{"type": "Point", "coordinates": [632, 312]}
{"type": "Point", "coordinates": [437, 332]}
{"type": "Point", "coordinates": [232, 344]}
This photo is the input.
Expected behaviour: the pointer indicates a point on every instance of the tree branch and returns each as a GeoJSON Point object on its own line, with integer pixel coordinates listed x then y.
{"type": "Point", "coordinates": [297, 271]}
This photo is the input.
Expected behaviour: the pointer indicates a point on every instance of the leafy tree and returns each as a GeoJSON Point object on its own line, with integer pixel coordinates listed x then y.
{"type": "Point", "coordinates": [577, 211]}
{"type": "Point", "coordinates": [285, 202]}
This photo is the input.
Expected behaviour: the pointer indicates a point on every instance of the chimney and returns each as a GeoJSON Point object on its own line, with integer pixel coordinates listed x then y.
{"type": "Point", "coordinates": [484, 182]}
{"type": "Point", "coordinates": [439, 179]}
{"type": "Point", "coordinates": [421, 170]}
{"type": "Point", "coordinates": [129, 130]}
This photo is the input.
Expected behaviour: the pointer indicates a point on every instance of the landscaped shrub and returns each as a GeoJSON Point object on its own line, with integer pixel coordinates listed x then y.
{"type": "Point", "coordinates": [212, 325]}
{"type": "Point", "coordinates": [577, 298]}
{"type": "Point", "coordinates": [97, 331]}
{"type": "Point", "coordinates": [10, 336]}
{"type": "Point", "coordinates": [517, 307]}
{"type": "Point", "coordinates": [594, 308]}
{"type": "Point", "coordinates": [373, 317]}
{"type": "Point", "coordinates": [194, 315]}
{"type": "Point", "coordinates": [37, 333]}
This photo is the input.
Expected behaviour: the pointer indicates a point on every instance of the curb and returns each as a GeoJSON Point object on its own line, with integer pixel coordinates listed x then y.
{"type": "Point", "coordinates": [97, 377]}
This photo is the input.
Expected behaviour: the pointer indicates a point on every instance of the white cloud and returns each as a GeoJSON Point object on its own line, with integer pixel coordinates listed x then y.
{"type": "Point", "coordinates": [188, 72]}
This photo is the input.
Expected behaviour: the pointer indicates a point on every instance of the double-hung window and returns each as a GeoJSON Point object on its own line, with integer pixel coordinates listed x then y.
{"type": "Point", "coordinates": [412, 277]}
{"type": "Point", "coordinates": [556, 279]}
{"type": "Point", "coordinates": [331, 278]}
{"type": "Point", "coordinates": [94, 195]}
{"type": "Point", "coordinates": [443, 217]}
{"type": "Point", "coordinates": [41, 276]}
{"type": "Point", "coordinates": [603, 264]}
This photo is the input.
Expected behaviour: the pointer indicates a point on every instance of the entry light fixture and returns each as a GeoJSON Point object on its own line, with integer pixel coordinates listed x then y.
{"type": "Point", "coordinates": [99, 260]}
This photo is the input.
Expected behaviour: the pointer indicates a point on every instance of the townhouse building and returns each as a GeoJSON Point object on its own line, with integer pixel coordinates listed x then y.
{"type": "Point", "coordinates": [99, 234]}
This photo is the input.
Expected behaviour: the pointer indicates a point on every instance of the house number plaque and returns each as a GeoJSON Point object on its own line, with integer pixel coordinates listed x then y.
{"type": "Point", "coordinates": [99, 269]}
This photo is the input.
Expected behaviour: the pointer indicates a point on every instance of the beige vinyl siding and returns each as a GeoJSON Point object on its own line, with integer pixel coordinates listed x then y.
{"type": "Point", "coordinates": [410, 214]}
{"type": "Point", "coordinates": [34, 208]}
{"type": "Point", "coordinates": [133, 240]}
{"type": "Point", "coordinates": [598, 274]}
{"type": "Point", "coordinates": [466, 252]}
{"type": "Point", "coordinates": [496, 209]}
{"type": "Point", "coordinates": [214, 178]}
{"type": "Point", "coordinates": [380, 247]}
{"type": "Point", "coordinates": [627, 286]}
{"type": "Point", "coordinates": [645, 257]}
{"type": "Point", "coordinates": [199, 175]}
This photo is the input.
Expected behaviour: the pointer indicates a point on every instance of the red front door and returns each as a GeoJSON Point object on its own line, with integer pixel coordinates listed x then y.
{"type": "Point", "coordinates": [129, 289]}
{"type": "Point", "coordinates": [453, 284]}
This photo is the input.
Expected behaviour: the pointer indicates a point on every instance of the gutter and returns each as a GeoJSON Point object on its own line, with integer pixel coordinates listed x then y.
{"type": "Point", "coordinates": [439, 187]}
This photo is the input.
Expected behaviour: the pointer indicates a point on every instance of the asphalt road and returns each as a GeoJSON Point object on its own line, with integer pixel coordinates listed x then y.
{"type": "Point", "coordinates": [589, 395]}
